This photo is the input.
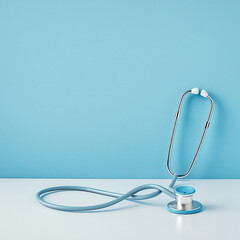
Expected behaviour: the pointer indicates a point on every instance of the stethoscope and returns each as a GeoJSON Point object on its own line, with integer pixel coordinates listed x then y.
{"type": "Point", "coordinates": [183, 195]}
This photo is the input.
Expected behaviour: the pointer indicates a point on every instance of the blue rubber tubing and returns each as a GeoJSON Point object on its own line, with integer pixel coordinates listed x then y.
{"type": "Point", "coordinates": [130, 196]}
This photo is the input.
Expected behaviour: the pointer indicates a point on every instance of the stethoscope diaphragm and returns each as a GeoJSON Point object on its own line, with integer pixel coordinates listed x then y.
{"type": "Point", "coordinates": [184, 203]}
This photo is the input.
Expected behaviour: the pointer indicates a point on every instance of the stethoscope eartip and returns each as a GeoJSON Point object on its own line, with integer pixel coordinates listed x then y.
{"type": "Point", "coordinates": [204, 93]}
{"type": "Point", "coordinates": [195, 91]}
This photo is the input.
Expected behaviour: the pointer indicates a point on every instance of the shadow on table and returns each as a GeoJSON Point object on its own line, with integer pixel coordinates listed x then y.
{"type": "Point", "coordinates": [137, 203]}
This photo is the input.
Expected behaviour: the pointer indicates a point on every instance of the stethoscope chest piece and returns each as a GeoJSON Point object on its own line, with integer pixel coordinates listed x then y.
{"type": "Point", "coordinates": [184, 203]}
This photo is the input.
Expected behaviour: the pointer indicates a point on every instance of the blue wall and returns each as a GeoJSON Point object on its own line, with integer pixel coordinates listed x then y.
{"type": "Point", "coordinates": [89, 89]}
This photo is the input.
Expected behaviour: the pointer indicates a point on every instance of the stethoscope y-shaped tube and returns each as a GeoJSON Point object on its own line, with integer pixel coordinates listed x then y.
{"type": "Point", "coordinates": [203, 94]}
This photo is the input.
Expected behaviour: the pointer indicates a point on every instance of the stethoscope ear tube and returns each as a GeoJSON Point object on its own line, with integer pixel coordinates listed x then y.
{"type": "Point", "coordinates": [204, 94]}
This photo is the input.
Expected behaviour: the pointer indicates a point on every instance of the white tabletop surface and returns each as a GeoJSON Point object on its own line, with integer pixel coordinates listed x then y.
{"type": "Point", "coordinates": [22, 217]}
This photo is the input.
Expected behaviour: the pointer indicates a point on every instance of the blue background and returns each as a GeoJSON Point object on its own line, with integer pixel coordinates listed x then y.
{"type": "Point", "coordinates": [89, 89]}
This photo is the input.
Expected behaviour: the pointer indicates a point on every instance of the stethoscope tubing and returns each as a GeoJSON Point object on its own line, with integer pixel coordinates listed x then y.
{"type": "Point", "coordinates": [130, 196]}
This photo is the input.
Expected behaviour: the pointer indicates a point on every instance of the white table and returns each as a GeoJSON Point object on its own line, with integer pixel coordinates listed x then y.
{"type": "Point", "coordinates": [22, 217]}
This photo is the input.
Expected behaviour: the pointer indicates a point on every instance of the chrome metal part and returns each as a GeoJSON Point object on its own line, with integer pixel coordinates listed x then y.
{"type": "Point", "coordinates": [202, 137]}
